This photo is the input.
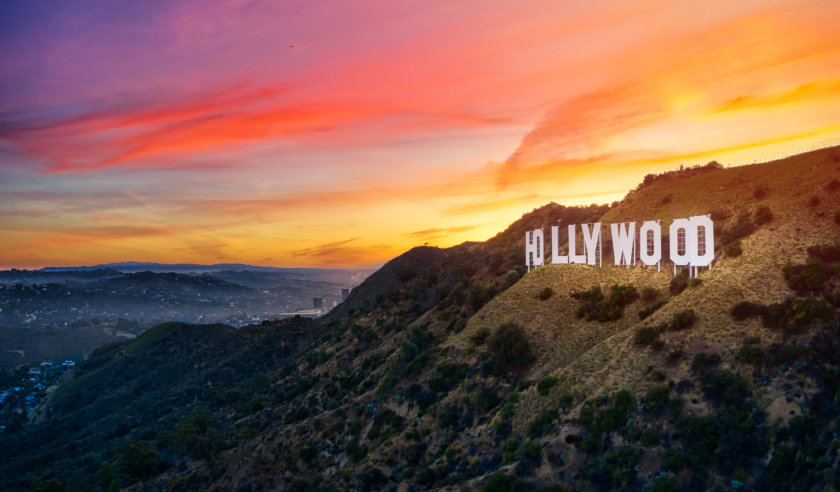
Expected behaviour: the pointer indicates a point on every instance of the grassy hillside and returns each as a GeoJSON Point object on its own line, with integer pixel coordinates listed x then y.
{"type": "Point", "coordinates": [455, 369]}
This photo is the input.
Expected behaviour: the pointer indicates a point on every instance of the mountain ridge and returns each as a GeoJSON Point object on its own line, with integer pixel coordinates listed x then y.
{"type": "Point", "coordinates": [455, 369]}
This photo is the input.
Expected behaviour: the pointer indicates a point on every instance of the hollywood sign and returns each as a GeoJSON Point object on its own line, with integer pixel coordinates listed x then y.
{"type": "Point", "coordinates": [691, 241]}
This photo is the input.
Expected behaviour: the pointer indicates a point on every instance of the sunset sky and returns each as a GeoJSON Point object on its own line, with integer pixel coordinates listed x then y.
{"type": "Point", "coordinates": [342, 133]}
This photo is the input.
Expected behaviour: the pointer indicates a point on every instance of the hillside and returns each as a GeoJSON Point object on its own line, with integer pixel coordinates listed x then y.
{"type": "Point", "coordinates": [454, 369]}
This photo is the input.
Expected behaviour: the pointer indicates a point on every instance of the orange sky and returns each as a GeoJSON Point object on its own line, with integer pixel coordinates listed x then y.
{"type": "Point", "coordinates": [344, 133]}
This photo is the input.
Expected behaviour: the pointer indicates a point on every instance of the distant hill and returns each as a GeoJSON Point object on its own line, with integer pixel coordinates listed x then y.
{"type": "Point", "coordinates": [60, 314]}
{"type": "Point", "coordinates": [455, 369]}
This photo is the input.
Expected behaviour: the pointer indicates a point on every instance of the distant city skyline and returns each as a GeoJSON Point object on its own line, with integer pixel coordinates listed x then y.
{"type": "Point", "coordinates": [340, 134]}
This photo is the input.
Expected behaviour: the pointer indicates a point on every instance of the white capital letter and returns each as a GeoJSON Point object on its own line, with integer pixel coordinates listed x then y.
{"type": "Point", "coordinates": [534, 248]}
{"type": "Point", "coordinates": [688, 231]}
{"type": "Point", "coordinates": [574, 257]}
{"type": "Point", "coordinates": [623, 239]}
{"type": "Point", "coordinates": [708, 230]}
{"type": "Point", "coordinates": [590, 241]}
{"type": "Point", "coordinates": [648, 228]}
{"type": "Point", "coordinates": [555, 243]}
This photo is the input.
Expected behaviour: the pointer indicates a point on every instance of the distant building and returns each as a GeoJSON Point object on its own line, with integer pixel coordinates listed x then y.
{"type": "Point", "coordinates": [317, 303]}
{"type": "Point", "coordinates": [344, 294]}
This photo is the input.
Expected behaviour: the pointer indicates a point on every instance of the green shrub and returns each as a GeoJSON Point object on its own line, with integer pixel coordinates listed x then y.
{"type": "Point", "coordinates": [645, 335]}
{"type": "Point", "coordinates": [509, 346]}
{"type": "Point", "coordinates": [797, 313]}
{"type": "Point", "coordinates": [589, 444]}
{"type": "Point", "coordinates": [417, 341]}
{"type": "Point", "coordinates": [678, 283]}
{"type": "Point", "coordinates": [542, 424]}
{"type": "Point", "coordinates": [307, 453]}
{"type": "Point", "coordinates": [811, 276]}
{"type": "Point", "coordinates": [138, 460]}
{"type": "Point", "coordinates": [826, 252]}
{"type": "Point", "coordinates": [530, 450]}
{"type": "Point", "coordinates": [723, 387]}
{"type": "Point", "coordinates": [545, 384]}
{"type": "Point", "coordinates": [751, 354]}
{"type": "Point", "coordinates": [650, 438]}
{"type": "Point", "coordinates": [597, 308]}
{"type": "Point", "coordinates": [763, 215]}
{"type": "Point", "coordinates": [787, 354]}
{"type": "Point", "coordinates": [649, 294]}
{"type": "Point", "coordinates": [665, 483]}
{"type": "Point", "coordinates": [645, 312]}
{"type": "Point", "coordinates": [545, 294]}
{"type": "Point", "coordinates": [703, 362]}
{"type": "Point", "coordinates": [623, 294]}
{"type": "Point", "coordinates": [744, 310]}
{"type": "Point", "coordinates": [447, 376]}
{"type": "Point", "coordinates": [682, 320]}
{"type": "Point", "coordinates": [480, 295]}
{"type": "Point", "coordinates": [743, 227]}
{"type": "Point", "coordinates": [733, 249]}
{"type": "Point", "coordinates": [480, 335]}
{"type": "Point", "coordinates": [657, 398]}
{"type": "Point", "coordinates": [499, 482]}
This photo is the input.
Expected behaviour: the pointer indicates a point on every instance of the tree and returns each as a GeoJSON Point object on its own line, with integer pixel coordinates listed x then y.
{"type": "Point", "coordinates": [139, 459]}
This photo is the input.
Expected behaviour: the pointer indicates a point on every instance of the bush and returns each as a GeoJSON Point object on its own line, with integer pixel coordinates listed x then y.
{"type": "Point", "coordinates": [650, 438]}
{"type": "Point", "coordinates": [597, 308]}
{"type": "Point", "coordinates": [682, 320]}
{"type": "Point", "coordinates": [480, 295]}
{"type": "Point", "coordinates": [139, 459]}
{"type": "Point", "coordinates": [480, 335]}
{"type": "Point", "coordinates": [623, 294]}
{"type": "Point", "coordinates": [795, 314]}
{"type": "Point", "coordinates": [725, 388]}
{"type": "Point", "coordinates": [833, 185]}
{"type": "Point", "coordinates": [678, 283]}
{"type": "Point", "coordinates": [545, 384]}
{"type": "Point", "coordinates": [744, 310]}
{"type": "Point", "coordinates": [743, 227]}
{"type": "Point", "coordinates": [763, 215]}
{"type": "Point", "coordinates": [499, 482]}
{"type": "Point", "coordinates": [649, 294]}
{"type": "Point", "coordinates": [733, 249]}
{"type": "Point", "coordinates": [645, 312]}
{"type": "Point", "coordinates": [645, 335]}
{"type": "Point", "coordinates": [787, 354]}
{"type": "Point", "coordinates": [447, 376]}
{"type": "Point", "coordinates": [761, 192]}
{"type": "Point", "coordinates": [417, 341]}
{"type": "Point", "coordinates": [751, 353]}
{"type": "Point", "coordinates": [542, 424]}
{"type": "Point", "coordinates": [837, 218]}
{"type": "Point", "coordinates": [657, 398]}
{"type": "Point", "coordinates": [703, 362]}
{"type": "Point", "coordinates": [545, 294]}
{"type": "Point", "coordinates": [509, 346]}
{"type": "Point", "coordinates": [814, 201]}
{"type": "Point", "coordinates": [828, 253]}
{"type": "Point", "coordinates": [811, 276]}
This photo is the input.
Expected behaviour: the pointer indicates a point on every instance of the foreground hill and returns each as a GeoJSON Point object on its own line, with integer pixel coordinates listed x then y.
{"type": "Point", "coordinates": [453, 368]}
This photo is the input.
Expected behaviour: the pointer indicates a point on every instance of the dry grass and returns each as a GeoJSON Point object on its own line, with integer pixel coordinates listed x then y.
{"type": "Point", "coordinates": [590, 358]}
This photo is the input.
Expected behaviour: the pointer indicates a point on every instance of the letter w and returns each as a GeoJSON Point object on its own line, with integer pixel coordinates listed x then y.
{"type": "Point", "coordinates": [623, 239]}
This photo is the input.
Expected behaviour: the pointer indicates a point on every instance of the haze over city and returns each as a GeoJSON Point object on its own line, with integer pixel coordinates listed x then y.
{"type": "Point", "coordinates": [335, 134]}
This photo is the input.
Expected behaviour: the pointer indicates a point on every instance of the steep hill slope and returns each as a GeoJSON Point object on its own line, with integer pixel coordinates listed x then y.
{"type": "Point", "coordinates": [453, 368]}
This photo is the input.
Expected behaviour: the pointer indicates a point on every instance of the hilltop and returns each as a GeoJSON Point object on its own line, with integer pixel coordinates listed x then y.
{"type": "Point", "coordinates": [454, 368]}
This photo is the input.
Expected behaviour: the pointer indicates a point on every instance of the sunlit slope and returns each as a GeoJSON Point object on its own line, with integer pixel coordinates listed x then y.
{"type": "Point", "coordinates": [591, 358]}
